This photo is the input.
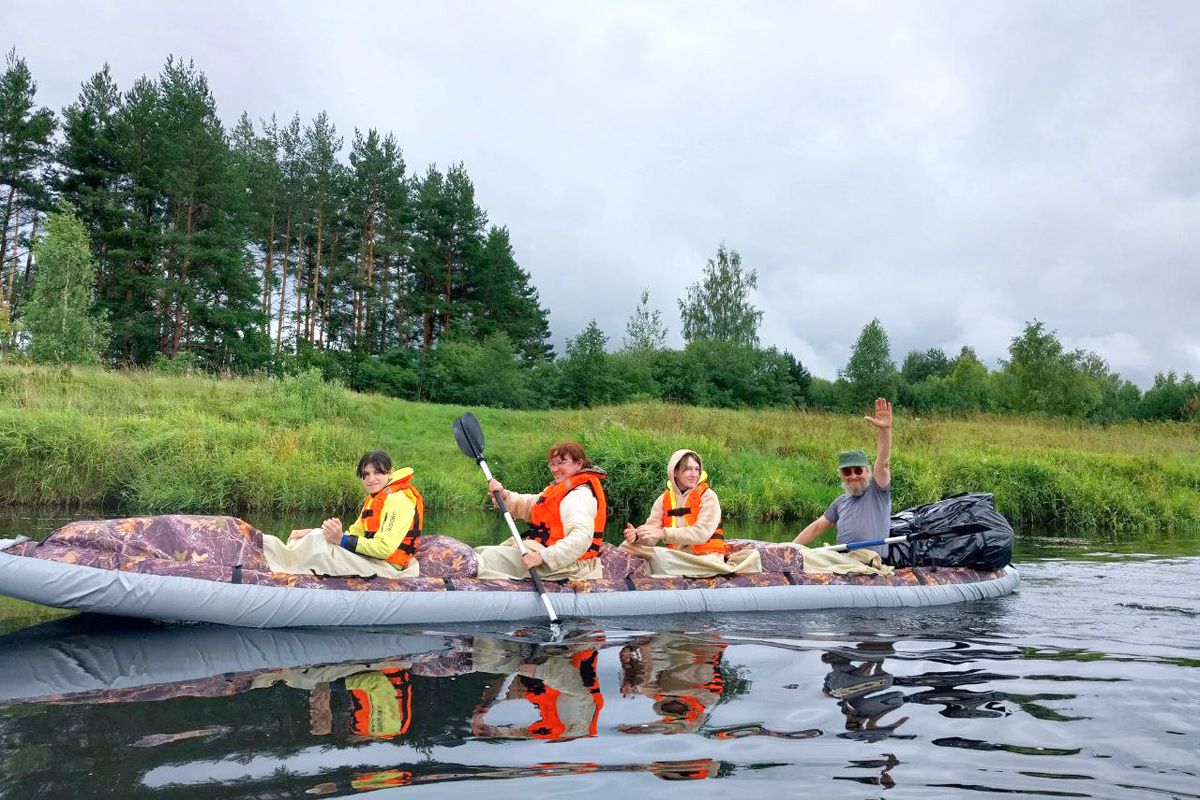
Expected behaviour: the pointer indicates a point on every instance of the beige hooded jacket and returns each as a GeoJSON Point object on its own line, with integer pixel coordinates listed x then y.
{"type": "Point", "coordinates": [710, 508]}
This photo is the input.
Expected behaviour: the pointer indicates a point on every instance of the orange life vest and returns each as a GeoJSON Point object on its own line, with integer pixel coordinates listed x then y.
{"type": "Point", "coordinates": [686, 515]}
{"type": "Point", "coordinates": [545, 699]}
{"type": "Point", "coordinates": [401, 681]}
{"type": "Point", "coordinates": [545, 522]}
{"type": "Point", "coordinates": [372, 514]}
{"type": "Point", "coordinates": [369, 781]}
{"type": "Point", "coordinates": [714, 685]}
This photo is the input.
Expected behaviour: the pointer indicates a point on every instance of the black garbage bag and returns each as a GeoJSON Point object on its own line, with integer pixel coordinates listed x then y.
{"type": "Point", "coordinates": [965, 530]}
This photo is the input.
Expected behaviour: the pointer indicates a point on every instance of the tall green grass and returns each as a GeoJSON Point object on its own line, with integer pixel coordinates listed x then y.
{"type": "Point", "coordinates": [153, 442]}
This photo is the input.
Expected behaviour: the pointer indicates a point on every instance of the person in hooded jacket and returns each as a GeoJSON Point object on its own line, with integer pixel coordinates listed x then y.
{"type": "Point", "coordinates": [686, 518]}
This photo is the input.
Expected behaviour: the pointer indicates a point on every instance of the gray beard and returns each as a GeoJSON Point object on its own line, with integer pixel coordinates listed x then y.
{"type": "Point", "coordinates": [854, 490]}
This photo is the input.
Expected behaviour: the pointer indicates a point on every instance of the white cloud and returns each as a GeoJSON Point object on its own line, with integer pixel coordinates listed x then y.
{"type": "Point", "coordinates": [956, 170]}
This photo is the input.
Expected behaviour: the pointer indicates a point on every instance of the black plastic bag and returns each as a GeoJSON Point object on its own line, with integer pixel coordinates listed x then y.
{"type": "Point", "coordinates": [960, 531]}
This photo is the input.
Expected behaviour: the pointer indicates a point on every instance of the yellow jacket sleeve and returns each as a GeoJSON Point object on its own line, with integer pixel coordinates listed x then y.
{"type": "Point", "coordinates": [394, 523]}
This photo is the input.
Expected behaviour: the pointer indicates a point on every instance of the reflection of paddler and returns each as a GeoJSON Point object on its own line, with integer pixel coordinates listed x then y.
{"type": "Point", "coordinates": [383, 779]}
{"type": "Point", "coordinates": [860, 687]}
{"type": "Point", "coordinates": [380, 696]}
{"type": "Point", "coordinates": [682, 676]}
{"type": "Point", "coordinates": [694, 770]}
{"type": "Point", "coordinates": [365, 782]}
{"type": "Point", "coordinates": [382, 703]}
{"type": "Point", "coordinates": [689, 770]}
{"type": "Point", "coordinates": [564, 689]}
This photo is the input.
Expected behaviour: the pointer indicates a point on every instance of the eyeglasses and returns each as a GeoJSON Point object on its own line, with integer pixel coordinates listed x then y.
{"type": "Point", "coordinates": [854, 470]}
{"type": "Point", "coordinates": [558, 462]}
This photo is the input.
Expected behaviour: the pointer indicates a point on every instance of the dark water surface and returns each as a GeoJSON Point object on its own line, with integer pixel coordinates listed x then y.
{"type": "Point", "coordinates": [1085, 683]}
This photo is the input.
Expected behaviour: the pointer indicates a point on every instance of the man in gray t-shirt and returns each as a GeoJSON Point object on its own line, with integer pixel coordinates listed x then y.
{"type": "Point", "coordinates": [863, 513]}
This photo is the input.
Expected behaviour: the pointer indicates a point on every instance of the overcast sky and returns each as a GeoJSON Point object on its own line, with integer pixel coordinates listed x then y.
{"type": "Point", "coordinates": [955, 169]}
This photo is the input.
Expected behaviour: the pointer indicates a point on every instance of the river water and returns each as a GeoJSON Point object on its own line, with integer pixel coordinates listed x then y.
{"type": "Point", "coordinates": [1085, 683]}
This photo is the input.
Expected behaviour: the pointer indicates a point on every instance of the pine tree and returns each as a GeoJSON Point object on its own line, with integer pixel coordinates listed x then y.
{"type": "Point", "coordinates": [255, 166]}
{"type": "Point", "coordinates": [210, 289]}
{"type": "Point", "coordinates": [324, 190]}
{"type": "Point", "coordinates": [718, 307]}
{"type": "Point", "coordinates": [380, 215]}
{"type": "Point", "coordinates": [293, 179]}
{"type": "Point", "coordinates": [60, 315]}
{"type": "Point", "coordinates": [90, 180]}
{"type": "Point", "coordinates": [133, 249]}
{"type": "Point", "coordinates": [500, 299]}
{"type": "Point", "coordinates": [25, 150]}
{"type": "Point", "coordinates": [448, 233]}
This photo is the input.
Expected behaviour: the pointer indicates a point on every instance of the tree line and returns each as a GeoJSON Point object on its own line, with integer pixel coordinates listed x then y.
{"type": "Point", "coordinates": [237, 249]}
{"type": "Point", "coordinates": [136, 230]}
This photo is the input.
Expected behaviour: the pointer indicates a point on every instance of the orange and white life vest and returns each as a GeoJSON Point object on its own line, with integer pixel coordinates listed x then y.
{"type": "Point", "coordinates": [694, 709]}
{"type": "Point", "coordinates": [372, 516]}
{"type": "Point", "coordinates": [545, 698]}
{"type": "Point", "coordinates": [686, 515]}
{"type": "Point", "coordinates": [545, 521]}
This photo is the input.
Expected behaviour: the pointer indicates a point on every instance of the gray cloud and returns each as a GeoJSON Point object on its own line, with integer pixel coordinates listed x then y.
{"type": "Point", "coordinates": [954, 169]}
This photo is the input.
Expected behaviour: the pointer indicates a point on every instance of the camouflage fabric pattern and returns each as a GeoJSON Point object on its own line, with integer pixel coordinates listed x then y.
{"type": "Point", "coordinates": [123, 544]}
{"type": "Point", "coordinates": [775, 557]}
{"type": "Point", "coordinates": [619, 564]}
{"type": "Point", "coordinates": [209, 547]}
{"type": "Point", "coordinates": [445, 557]}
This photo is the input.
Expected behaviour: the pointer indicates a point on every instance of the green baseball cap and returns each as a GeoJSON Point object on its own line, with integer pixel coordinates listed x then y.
{"type": "Point", "coordinates": [852, 458]}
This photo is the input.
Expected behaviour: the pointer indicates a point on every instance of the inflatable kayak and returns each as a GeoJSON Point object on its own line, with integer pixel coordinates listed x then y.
{"type": "Point", "coordinates": [70, 661]}
{"type": "Point", "coordinates": [211, 569]}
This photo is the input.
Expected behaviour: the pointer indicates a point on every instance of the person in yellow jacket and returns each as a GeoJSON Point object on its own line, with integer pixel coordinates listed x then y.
{"type": "Point", "coordinates": [687, 519]}
{"type": "Point", "coordinates": [382, 541]}
{"type": "Point", "coordinates": [566, 523]}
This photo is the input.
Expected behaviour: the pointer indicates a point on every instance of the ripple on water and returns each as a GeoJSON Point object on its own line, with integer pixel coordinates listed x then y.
{"type": "Point", "coordinates": [1082, 684]}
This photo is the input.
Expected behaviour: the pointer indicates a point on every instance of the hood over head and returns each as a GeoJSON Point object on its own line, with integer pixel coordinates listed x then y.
{"type": "Point", "coordinates": [673, 462]}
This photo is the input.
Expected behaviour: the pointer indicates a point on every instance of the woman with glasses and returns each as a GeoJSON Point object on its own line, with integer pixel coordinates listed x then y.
{"type": "Point", "coordinates": [863, 512]}
{"type": "Point", "coordinates": [566, 522]}
{"type": "Point", "coordinates": [687, 519]}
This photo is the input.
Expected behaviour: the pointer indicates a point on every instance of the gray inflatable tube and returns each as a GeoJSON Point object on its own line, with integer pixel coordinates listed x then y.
{"type": "Point", "coordinates": [55, 662]}
{"type": "Point", "coordinates": [130, 594]}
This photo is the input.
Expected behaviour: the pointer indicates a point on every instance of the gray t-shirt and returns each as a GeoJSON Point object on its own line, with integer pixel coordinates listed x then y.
{"type": "Point", "coordinates": [863, 518]}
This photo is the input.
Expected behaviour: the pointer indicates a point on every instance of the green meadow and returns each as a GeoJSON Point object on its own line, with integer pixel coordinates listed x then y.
{"type": "Point", "coordinates": [146, 441]}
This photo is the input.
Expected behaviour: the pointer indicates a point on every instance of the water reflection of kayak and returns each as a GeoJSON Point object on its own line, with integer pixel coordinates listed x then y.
{"type": "Point", "coordinates": [211, 569]}
{"type": "Point", "coordinates": [65, 662]}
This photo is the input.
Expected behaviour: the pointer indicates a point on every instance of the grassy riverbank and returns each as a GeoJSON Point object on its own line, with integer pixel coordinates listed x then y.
{"type": "Point", "coordinates": [155, 441]}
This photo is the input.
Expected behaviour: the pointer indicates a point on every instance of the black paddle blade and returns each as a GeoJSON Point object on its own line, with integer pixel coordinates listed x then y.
{"type": "Point", "coordinates": [469, 436]}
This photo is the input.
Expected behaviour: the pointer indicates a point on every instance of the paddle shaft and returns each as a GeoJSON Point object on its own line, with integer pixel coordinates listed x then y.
{"type": "Point", "coordinates": [512, 529]}
{"type": "Point", "coordinates": [906, 537]}
{"type": "Point", "coordinates": [842, 548]}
